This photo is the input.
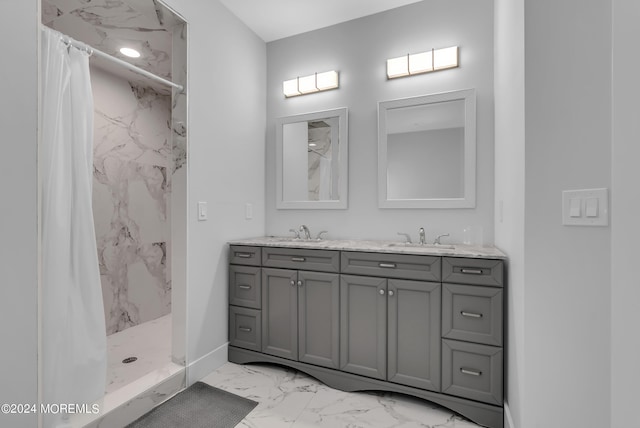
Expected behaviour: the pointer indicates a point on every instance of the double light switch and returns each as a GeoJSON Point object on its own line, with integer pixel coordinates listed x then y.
{"type": "Point", "coordinates": [589, 207]}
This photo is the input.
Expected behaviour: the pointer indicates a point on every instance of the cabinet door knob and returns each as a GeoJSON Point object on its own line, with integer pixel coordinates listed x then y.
{"type": "Point", "coordinates": [381, 292]}
{"type": "Point", "coordinates": [293, 282]}
{"type": "Point", "coordinates": [390, 292]}
{"type": "Point", "coordinates": [299, 283]}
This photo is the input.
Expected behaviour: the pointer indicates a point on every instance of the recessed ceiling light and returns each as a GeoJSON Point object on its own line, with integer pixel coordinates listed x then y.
{"type": "Point", "coordinates": [131, 53]}
{"type": "Point", "coordinates": [312, 144]}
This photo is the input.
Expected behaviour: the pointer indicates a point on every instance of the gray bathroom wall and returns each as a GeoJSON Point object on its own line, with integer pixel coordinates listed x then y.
{"type": "Point", "coordinates": [359, 49]}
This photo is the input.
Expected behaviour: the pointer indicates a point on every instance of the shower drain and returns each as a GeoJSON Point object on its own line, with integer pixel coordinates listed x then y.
{"type": "Point", "coordinates": [129, 360]}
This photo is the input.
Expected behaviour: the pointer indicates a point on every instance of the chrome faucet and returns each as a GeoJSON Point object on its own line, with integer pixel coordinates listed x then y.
{"type": "Point", "coordinates": [407, 237]}
{"type": "Point", "coordinates": [305, 229]}
{"type": "Point", "coordinates": [437, 240]}
{"type": "Point", "coordinates": [296, 233]}
{"type": "Point", "coordinates": [423, 239]}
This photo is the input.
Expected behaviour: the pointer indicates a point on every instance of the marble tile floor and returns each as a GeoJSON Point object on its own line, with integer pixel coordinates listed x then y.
{"type": "Point", "coordinates": [150, 342]}
{"type": "Point", "coordinates": [288, 398]}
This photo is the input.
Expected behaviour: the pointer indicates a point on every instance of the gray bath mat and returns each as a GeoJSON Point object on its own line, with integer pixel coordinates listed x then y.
{"type": "Point", "coordinates": [199, 406]}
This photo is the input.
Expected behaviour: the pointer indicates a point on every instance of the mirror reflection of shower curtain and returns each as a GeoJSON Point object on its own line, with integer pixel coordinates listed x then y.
{"type": "Point", "coordinates": [325, 179]}
{"type": "Point", "coordinates": [74, 356]}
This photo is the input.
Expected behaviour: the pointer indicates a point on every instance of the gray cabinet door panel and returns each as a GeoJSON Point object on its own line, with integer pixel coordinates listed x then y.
{"type": "Point", "coordinates": [319, 318]}
{"type": "Point", "coordinates": [472, 371]}
{"type": "Point", "coordinates": [472, 313]}
{"type": "Point", "coordinates": [414, 333]}
{"type": "Point", "coordinates": [473, 271]}
{"type": "Point", "coordinates": [244, 286]}
{"type": "Point", "coordinates": [244, 255]}
{"type": "Point", "coordinates": [406, 266]}
{"type": "Point", "coordinates": [301, 259]}
{"type": "Point", "coordinates": [363, 325]}
{"type": "Point", "coordinates": [245, 328]}
{"type": "Point", "coordinates": [280, 313]}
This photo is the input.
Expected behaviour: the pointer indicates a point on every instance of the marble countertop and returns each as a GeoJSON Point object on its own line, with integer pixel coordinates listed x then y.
{"type": "Point", "coordinates": [396, 247]}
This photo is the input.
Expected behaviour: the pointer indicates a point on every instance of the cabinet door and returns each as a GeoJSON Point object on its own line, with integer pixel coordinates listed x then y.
{"type": "Point", "coordinates": [363, 325]}
{"type": "Point", "coordinates": [318, 318]}
{"type": "Point", "coordinates": [414, 333]}
{"type": "Point", "coordinates": [280, 313]}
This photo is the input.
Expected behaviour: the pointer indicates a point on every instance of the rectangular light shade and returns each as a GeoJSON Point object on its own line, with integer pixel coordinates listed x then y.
{"type": "Point", "coordinates": [425, 62]}
{"type": "Point", "coordinates": [398, 67]}
{"type": "Point", "coordinates": [310, 84]}
{"type": "Point", "coordinates": [445, 58]}
{"type": "Point", "coordinates": [307, 84]}
{"type": "Point", "coordinates": [420, 63]}
{"type": "Point", "coordinates": [290, 88]}
{"type": "Point", "coordinates": [327, 80]}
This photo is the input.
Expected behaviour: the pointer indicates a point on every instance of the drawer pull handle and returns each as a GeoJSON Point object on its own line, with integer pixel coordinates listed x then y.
{"type": "Point", "coordinates": [247, 329]}
{"type": "Point", "coordinates": [470, 314]}
{"type": "Point", "coordinates": [292, 282]}
{"type": "Point", "coordinates": [471, 271]}
{"type": "Point", "coordinates": [299, 283]}
{"type": "Point", "coordinates": [297, 259]}
{"type": "Point", "coordinates": [245, 287]}
{"type": "Point", "coordinates": [470, 372]}
{"type": "Point", "coordinates": [244, 255]}
{"type": "Point", "coordinates": [381, 292]}
{"type": "Point", "coordinates": [387, 265]}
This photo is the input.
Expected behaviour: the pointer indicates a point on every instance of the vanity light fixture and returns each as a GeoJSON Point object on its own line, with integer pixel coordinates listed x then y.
{"type": "Point", "coordinates": [309, 84]}
{"type": "Point", "coordinates": [425, 62]}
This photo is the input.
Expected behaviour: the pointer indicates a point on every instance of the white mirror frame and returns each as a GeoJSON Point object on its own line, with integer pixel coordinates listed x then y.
{"type": "Point", "coordinates": [343, 153]}
{"type": "Point", "coordinates": [469, 198]}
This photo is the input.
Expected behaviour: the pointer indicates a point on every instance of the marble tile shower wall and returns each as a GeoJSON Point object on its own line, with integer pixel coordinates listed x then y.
{"type": "Point", "coordinates": [132, 199]}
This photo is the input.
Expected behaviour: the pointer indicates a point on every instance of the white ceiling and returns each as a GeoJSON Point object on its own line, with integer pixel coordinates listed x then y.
{"type": "Point", "coordinates": [276, 19]}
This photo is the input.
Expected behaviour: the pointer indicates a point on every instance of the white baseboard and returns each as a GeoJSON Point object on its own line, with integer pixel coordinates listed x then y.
{"type": "Point", "coordinates": [508, 419]}
{"type": "Point", "coordinates": [207, 363]}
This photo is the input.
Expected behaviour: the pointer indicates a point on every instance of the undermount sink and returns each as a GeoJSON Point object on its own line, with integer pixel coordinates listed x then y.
{"type": "Point", "coordinates": [418, 245]}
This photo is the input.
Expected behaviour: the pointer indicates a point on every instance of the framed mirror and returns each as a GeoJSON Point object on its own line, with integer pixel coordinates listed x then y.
{"type": "Point", "coordinates": [312, 160]}
{"type": "Point", "coordinates": [427, 151]}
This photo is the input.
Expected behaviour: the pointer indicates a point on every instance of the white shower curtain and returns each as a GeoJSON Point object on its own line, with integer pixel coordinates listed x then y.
{"type": "Point", "coordinates": [74, 357]}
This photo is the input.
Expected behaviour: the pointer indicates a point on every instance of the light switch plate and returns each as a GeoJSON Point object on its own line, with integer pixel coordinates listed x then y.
{"type": "Point", "coordinates": [202, 211]}
{"type": "Point", "coordinates": [587, 207]}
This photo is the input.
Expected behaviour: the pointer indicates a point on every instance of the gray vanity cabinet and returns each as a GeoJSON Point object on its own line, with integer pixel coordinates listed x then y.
{"type": "Point", "coordinates": [300, 309]}
{"type": "Point", "coordinates": [390, 330]}
{"type": "Point", "coordinates": [426, 325]}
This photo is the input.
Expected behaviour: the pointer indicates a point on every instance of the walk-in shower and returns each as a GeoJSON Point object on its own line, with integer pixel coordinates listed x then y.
{"type": "Point", "coordinates": [138, 182]}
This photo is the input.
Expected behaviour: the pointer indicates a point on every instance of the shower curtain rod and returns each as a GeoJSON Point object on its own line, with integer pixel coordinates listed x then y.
{"type": "Point", "coordinates": [125, 64]}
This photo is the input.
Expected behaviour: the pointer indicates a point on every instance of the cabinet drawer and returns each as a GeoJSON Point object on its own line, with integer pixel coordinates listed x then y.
{"type": "Point", "coordinates": [402, 266]}
{"type": "Point", "coordinates": [244, 286]}
{"type": "Point", "coordinates": [472, 371]}
{"type": "Point", "coordinates": [472, 271]}
{"type": "Point", "coordinates": [472, 313]}
{"type": "Point", "coordinates": [245, 328]}
{"type": "Point", "coordinates": [244, 255]}
{"type": "Point", "coordinates": [301, 259]}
